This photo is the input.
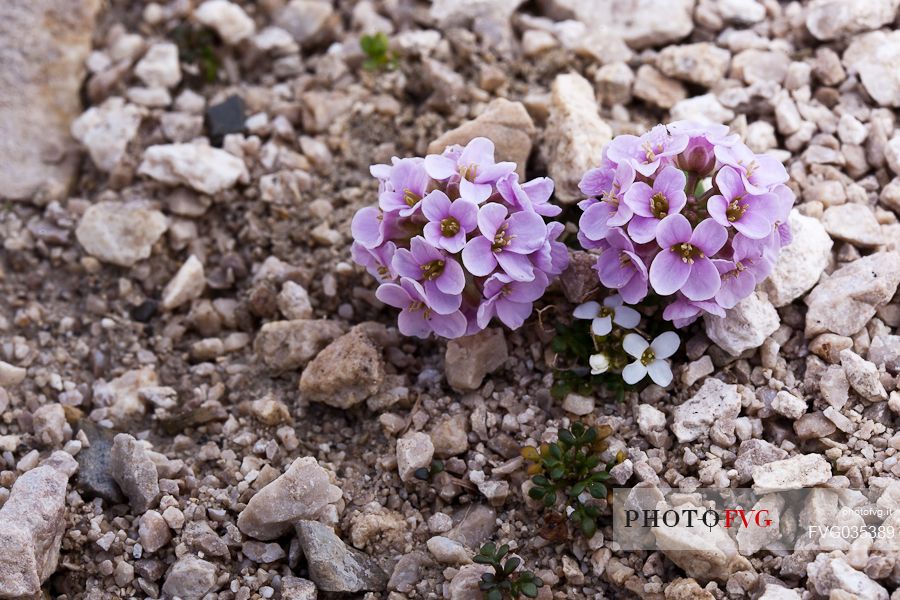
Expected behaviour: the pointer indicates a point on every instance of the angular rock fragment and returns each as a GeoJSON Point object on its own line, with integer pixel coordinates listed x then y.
{"type": "Point", "coordinates": [304, 491]}
{"type": "Point", "coordinates": [743, 327]}
{"type": "Point", "coordinates": [800, 264]}
{"type": "Point", "coordinates": [32, 523]}
{"type": "Point", "coordinates": [414, 451]}
{"type": "Point", "coordinates": [121, 234]}
{"type": "Point", "coordinates": [335, 567]}
{"type": "Point", "coordinates": [106, 131]}
{"type": "Point", "coordinates": [190, 578]}
{"type": "Point", "coordinates": [206, 169]}
{"type": "Point", "coordinates": [469, 359]}
{"type": "Point", "coordinates": [135, 472]}
{"type": "Point", "coordinates": [188, 284]}
{"type": "Point", "coordinates": [228, 19]}
{"type": "Point", "coordinates": [872, 56]}
{"type": "Point", "coordinates": [345, 373]}
{"type": "Point", "coordinates": [794, 473]}
{"type": "Point", "coordinates": [832, 19]}
{"type": "Point", "coordinates": [286, 345]}
{"type": "Point", "coordinates": [714, 401]}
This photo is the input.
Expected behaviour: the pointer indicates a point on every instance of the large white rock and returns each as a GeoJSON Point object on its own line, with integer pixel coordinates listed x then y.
{"type": "Point", "coordinates": [829, 573]}
{"type": "Point", "coordinates": [873, 56]}
{"type": "Point", "coordinates": [854, 223]}
{"type": "Point", "coordinates": [641, 23]}
{"type": "Point", "coordinates": [832, 19]}
{"type": "Point", "coordinates": [743, 327]}
{"type": "Point", "coordinates": [228, 19]}
{"type": "Point", "coordinates": [44, 45]}
{"type": "Point", "coordinates": [106, 131]}
{"type": "Point", "coordinates": [714, 401]}
{"type": "Point", "coordinates": [159, 68]}
{"type": "Point", "coordinates": [206, 169]}
{"type": "Point", "coordinates": [794, 473]}
{"type": "Point", "coordinates": [575, 134]}
{"type": "Point", "coordinates": [844, 302]}
{"type": "Point", "coordinates": [800, 264]}
{"type": "Point", "coordinates": [303, 492]}
{"type": "Point", "coordinates": [32, 523]}
{"type": "Point", "coordinates": [119, 233]}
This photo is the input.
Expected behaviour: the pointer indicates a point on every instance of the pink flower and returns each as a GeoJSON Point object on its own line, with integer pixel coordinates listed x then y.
{"type": "Point", "coordinates": [620, 268]}
{"type": "Point", "coordinates": [474, 166]}
{"type": "Point", "coordinates": [611, 211]}
{"type": "Point", "coordinates": [416, 318]}
{"type": "Point", "coordinates": [406, 186]}
{"type": "Point", "coordinates": [533, 195]}
{"type": "Point", "coordinates": [448, 222]}
{"type": "Point", "coordinates": [759, 172]}
{"type": "Point", "coordinates": [652, 204]}
{"type": "Point", "coordinates": [646, 153]}
{"type": "Point", "coordinates": [682, 312]}
{"type": "Point", "coordinates": [442, 278]}
{"type": "Point", "coordinates": [510, 300]}
{"type": "Point", "coordinates": [752, 215]}
{"type": "Point", "coordinates": [507, 241]}
{"type": "Point", "coordinates": [684, 264]}
{"type": "Point", "coordinates": [748, 266]}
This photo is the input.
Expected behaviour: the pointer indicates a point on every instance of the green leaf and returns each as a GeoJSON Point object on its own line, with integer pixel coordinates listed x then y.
{"type": "Point", "coordinates": [597, 490]}
{"type": "Point", "coordinates": [537, 493]}
{"type": "Point", "coordinates": [483, 560]}
{"type": "Point", "coordinates": [540, 480]}
{"type": "Point", "coordinates": [494, 595]}
{"type": "Point", "coordinates": [529, 590]}
{"type": "Point", "coordinates": [511, 565]}
{"type": "Point", "coordinates": [550, 498]}
{"type": "Point", "coordinates": [557, 472]}
{"type": "Point", "coordinates": [502, 551]}
{"type": "Point", "coordinates": [421, 473]}
{"type": "Point", "coordinates": [578, 488]}
{"type": "Point", "coordinates": [556, 452]}
{"type": "Point", "coordinates": [566, 436]}
{"type": "Point", "coordinates": [488, 549]}
{"type": "Point", "coordinates": [588, 526]}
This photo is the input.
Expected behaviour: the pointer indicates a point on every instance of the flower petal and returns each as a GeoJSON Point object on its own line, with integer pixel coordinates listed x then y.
{"type": "Point", "coordinates": [665, 344]}
{"type": "Point", "coordinates": [516, 266]}
{"type": "Point", "coordinates": [627, 317]}
{"type": "Point", "coordinates": [674, 229]}
{"type": "Point", "coordinates": [392, 295]}
{"type": "Point", "coordinates": [440, 167]}
{"type": "Point", "coordinates": [634, 345]}
{"type": "Point", "coordinates": [709, 236]}
{"type": "Point", "coordinates": [660, 372]}
{"type": "Point", "coordinates": [478, 257]}
{"type": "Point", "coordinates": [601, 326]}
{"type": "Point", "coordinates": [588, 310]}
{"type": "Point", "coordinates": [634, 372]}
{"type": "Point", "coordinates": [668, 272]}
{"type": "Point", "coordinates": [449, 326]}
{"type": "Point", "coordinates": [413, 324]}
{"type": "Point", "coordinates": [704, 280]}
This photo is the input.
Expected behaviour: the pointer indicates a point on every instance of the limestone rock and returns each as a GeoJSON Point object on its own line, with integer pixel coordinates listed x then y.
{"type": "Point", "coordinates": [743, 327]}
{"type": "Point", "coordinates": [335, 567]}
{"type": "Point", "coordinates": [832, 19]}
{"type": "Point", "coordinates": [491, 20]}
{"type": "Point", "coordinates": [505, 123]}
{"type": "Point", "coordinates": [122, 394]}
{"type": "Point", "coordinates": [206, 169]}
{"type": "Point", "coordinates": [447, 551]}
{"type": "Point", "coordinates": [11, 375]}
{"type": "Point", "coordinates": [862, 376]}
{"type": "Point", "coordinates": [228, 19]}
{"type": "Point", "coordinates": [794, 473]}
{"type": "Point", "coordinates": [121, 234]}
{"type": "Point", "coordinates": [789, 405]}
{"type": "Point", "coordinates": [414, 451]}
{"type": "Point", "coordinates": [575, 134]}
{"type": "Point", "coordinates": [134, 471]}
{"type": "Point", "coordinates": [159, 68]}
{"type": "Point", "coordinates": [106, 131]}
{"type": "Point", "coordinates": [190, 578]}
{"type": "Point", "coordinates": [304, 491]}
{"type": "Point", "coordinates": [641, 23]}
{"type": "Point", "coordinates": [153, 531]}
{"type": "Point", "coordinates": [714, 401]}
{"type": "Point", "coordinates": [469, 359]}
{"type": "Point", "coordinates": [872, 56]}
{"type": "Point", "coordinates": [293, 301]}
{"type": "Point", "coordinates": [829, 573]}
{"type": "Point", "coordinates": [885, 350]}
{"type": "Point", "coordinates": [309, 21]}
{"type": "Point", "coordinates": [188, 284]}
{"type": "Point", "coordinates": [702, 63]}
{"type": "Point", "coordinates": [753, 453]}
{"type": "Point", "coordinates": [844, 302]}
{"type": "Point", "coordinates": [854, 223]}
{"type": "Point", "coordinates": [44, 45]}
{"type": "Point", "coordinates": [286, 345]}
{"type": "Point", "coordinates": [653, 87]}
{"type": "Point", "coordinates": [32, 523]}
{"type": "Point", "coordinates": [450, 437]}
{"type": "Point", "coordinates": [800, 264]}
{"type": "Point", "coordinates": [345, 373]}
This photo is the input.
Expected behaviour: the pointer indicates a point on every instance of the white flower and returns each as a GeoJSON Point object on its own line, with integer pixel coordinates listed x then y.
{"type": "Point", "coordinates": [599, 363]}
{"type": "Point", "coordinates": [650, 358]}
{"type": "Point", "coordinates": [612, 311]}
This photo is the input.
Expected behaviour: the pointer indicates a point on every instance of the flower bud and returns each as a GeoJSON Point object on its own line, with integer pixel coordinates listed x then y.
{"type": "Point", "coordinates": [599, 364]}
{"type": "Point", "coordinates": [697, 158]}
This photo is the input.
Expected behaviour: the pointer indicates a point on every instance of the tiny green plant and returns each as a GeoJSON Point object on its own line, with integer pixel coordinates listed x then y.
{"type": "Point", "coordinates": [426, 473]}
{"type": "Point", "coordinates": [505, 583]}
{"type": "Point", "coordinates": [562, 470]}
{"type": "Point", "coordinates": [379, 56]}
{"type": "Point", "coordinates": [574, 345]}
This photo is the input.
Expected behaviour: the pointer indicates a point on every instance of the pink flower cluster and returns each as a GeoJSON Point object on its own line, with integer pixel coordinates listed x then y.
{"type": "Point", "coordinates": [456, 240]}
{"type": "Point", "coordinates": [687, 210]}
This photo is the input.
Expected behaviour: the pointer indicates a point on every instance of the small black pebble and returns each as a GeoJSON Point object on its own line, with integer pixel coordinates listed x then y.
{"type": "Point", "coordinates": [224, 118]}
{"type": "Point", "coordinates": [144, 311]}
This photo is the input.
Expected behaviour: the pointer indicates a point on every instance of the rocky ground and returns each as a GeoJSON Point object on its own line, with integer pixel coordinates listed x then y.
{"type": "Point", "coordinates": [200, 396]}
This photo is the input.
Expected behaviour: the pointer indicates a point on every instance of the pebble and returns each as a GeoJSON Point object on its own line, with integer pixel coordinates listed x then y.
{"type": "Point", "coordinates": [450, 436]}
{"type": "Point", "coordinates": [304, 491]}
{"type": "Point", "coordinates": [845, 301]}
{"type": "Point", "coordinates": [469, 359]}
{"type": "Point", "coordinates": [800, 264]}
{"type": "Point", "coordinates": [578, 405]}
{"type": "Point", "coordinates": [794, 473]}
{"type": "Point", "coordinates": [862, 376]}
{"type": "Point", "coordinates": [702, 63]}
{"type": "Point", "coordinates": [106, 130]}
{"type": "Point", "coordinates": [447, 551]}
{"type": "Point", "coordinates": [657, 89]}
{"type": "Point", "coordinates": [743, 327]}
{"type": "Point", "coordinates": [32, 524]}
{"type": "Point", "coordinates": [655, 23]}
{"type": "Point", "coordinates": [11, 375]}
{"type": "Point", "coordinates": [159, 68]}
{"type": "Point", "coordinates": [696, 370]}
{"type": "Point", "coordinates": [335, 567]}
{"type": "Point", "coordinates": [206, 169]}
{"type": "Point", "coordinates": [575, 135]}
{"type": "Point", "coordinates": [153, 531]}
{"type": "Point", "coordinates": [296, 588]}
{"type": "Point", "coordinates": [814, 425]}
{"type": "Point", "coordinates": [853, 223]}
{"type": "Point", "coordinates": [119, 233]}
{"type": "Point", "coordinates": [714, 401]}
{"type": "Point", "coordinates": [830, 573]}
{"type": "Point", "coordinates": [190, 578]}
{"type": "Point", "coordinates": [225, 118]}
{"type": "Point", "coordinates": [188, 284]}
{"type": "Point", "coordinates": [870, 56]}
{"type": "Point", "coordinates": [94, 478]}
{"type": "Point", "coordinates": [135, 472]}
{"type": "Point", "coordinates": [293, 301]}
{"type": "Point", "coordinates": [288, 345]}
{"type": "Point", "coordinates": [789, 405]}
{"type": "Point", "coordinates": [884, 350]}
{"type": "Point", "coordinates": [505, 123]}
{"type": "Point", "coordinates": [307, 20]}
{"type": "Point", "coordinates": [414, 451]}
{"type": "Point", "coordinates": [50, 426]}
{"type": "Point", "coordinates": [347, 372]}
{"type": "Point", "coordinates": [262, 553]}
{"type": "Point", "coordinates": [613, 82]}
{"type": "Point", "coordinates": [228, 20]}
